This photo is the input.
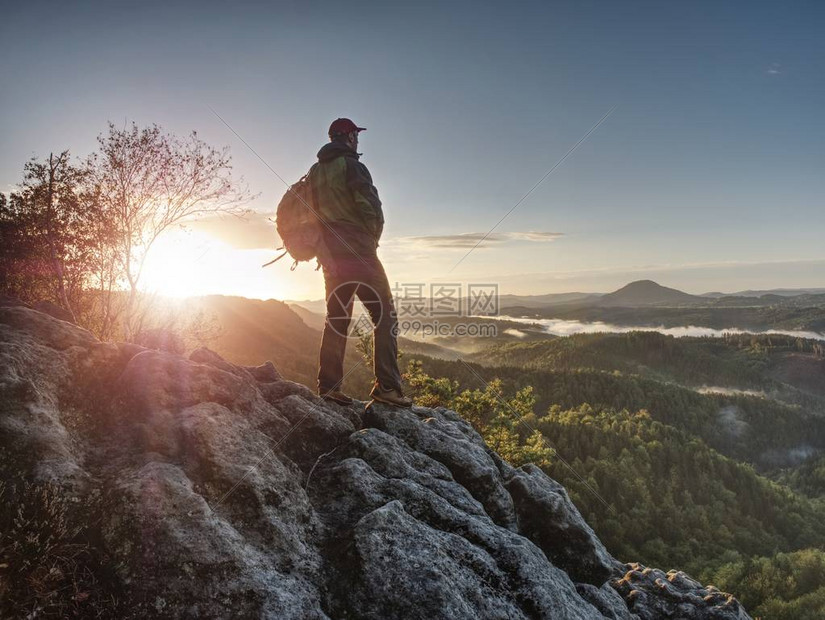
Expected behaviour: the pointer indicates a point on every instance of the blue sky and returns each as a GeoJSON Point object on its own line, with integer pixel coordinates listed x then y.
{"type": "Point", "coordinates": [706, 177]}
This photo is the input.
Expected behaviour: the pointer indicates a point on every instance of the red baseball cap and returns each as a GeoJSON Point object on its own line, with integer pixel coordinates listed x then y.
{"type": "Point", "coordinates": [342, 126]}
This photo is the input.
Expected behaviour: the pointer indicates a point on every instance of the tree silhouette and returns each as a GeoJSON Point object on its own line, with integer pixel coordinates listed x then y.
{"type": "Point", "coordinates": [47, 233]}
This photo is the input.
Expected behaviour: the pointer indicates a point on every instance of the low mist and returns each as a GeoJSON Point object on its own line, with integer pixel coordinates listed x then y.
{"type": "Point", "coordinates": [561, 327]}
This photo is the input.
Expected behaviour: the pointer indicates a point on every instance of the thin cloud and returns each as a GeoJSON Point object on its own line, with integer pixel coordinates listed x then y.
{"type": "Point", "coordinates": [533, 235]}
{"type": "Point", "coordinates": [774, 69]}
{"type": "Point", "coordinates": [468, 240]}
{"type": "Point", "coordinates": [249, 232]}
{"type": "Point", "coordinates": [256, 230]}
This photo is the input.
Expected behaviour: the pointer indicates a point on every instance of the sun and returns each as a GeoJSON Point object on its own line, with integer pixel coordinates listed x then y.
{"type": "Point", "coordinates": [192, 263]}
{"type": "Point", "coordinates": [177, 264]}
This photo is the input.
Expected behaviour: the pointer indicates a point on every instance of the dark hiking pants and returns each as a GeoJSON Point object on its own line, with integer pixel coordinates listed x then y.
{"type": "Point", "coordinates": [346, 278]}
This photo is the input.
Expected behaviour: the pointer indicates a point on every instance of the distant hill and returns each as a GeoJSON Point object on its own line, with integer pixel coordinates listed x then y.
{"type": "Point", "coordinates": [317, 306]}
{"type": "Point", "coordinates": [635, 294]}
{"type": "Point", "coordinates": [781, 292]}
{"type": "Point", "coordinates": [252, 331]}
{"type": "Point", "coordinates": [313, 319]}
{"type": "Point", "coordinates": [647, 293]}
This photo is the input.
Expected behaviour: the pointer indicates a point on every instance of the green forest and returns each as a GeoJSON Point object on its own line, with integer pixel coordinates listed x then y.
{"type": "Point", "coordinates": [724, 484]}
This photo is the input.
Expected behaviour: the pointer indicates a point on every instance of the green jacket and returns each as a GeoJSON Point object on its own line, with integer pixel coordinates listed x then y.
{"type": "Point", "coordinates": [347, 200]}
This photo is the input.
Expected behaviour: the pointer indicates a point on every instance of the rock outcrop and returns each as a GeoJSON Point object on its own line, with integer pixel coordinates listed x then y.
{"type": "Point", "coordinates": [218, 491]}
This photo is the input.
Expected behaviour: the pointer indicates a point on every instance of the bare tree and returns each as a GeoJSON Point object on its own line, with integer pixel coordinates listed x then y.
{"type": "Point", "coordinates": [151, 181]}
{"type": "Point", "coordinates": [105, 278]}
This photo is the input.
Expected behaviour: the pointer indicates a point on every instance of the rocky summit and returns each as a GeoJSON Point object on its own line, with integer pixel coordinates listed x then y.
{"type": "Point", "coordinates": [190, 487]}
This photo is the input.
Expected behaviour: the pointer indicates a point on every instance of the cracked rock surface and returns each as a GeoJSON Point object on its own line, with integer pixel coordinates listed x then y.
{"type": "Point", "coordinates": [227, 491]}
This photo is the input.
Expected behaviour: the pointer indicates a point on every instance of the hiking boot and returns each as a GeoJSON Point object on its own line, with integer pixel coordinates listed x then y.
{"type": "Point", "coordinates": [336, 396]}
{"type": "Point", "coordinates": [392, 396]}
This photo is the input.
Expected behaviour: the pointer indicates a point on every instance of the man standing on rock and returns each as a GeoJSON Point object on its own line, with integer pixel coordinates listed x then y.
{"type": "Point", "coordinates": [349, 206]}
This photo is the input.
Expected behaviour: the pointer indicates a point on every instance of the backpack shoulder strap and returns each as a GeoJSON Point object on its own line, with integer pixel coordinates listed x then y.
{"type": "Point", "coordinates": [313, 197]}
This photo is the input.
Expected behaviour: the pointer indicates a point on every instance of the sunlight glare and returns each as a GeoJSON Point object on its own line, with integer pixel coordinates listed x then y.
{"type": "Point", "coordinates": [175, 265]}
{"type": "Point", "coordinates": [192, 263]}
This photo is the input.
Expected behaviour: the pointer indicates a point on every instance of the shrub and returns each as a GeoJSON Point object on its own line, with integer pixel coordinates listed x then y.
{"type": "Point", "coordinates": [48, 568]}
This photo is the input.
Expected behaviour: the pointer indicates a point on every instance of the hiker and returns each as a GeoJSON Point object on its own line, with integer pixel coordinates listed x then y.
{"type": "Point", "coordinates": [350, 209]}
